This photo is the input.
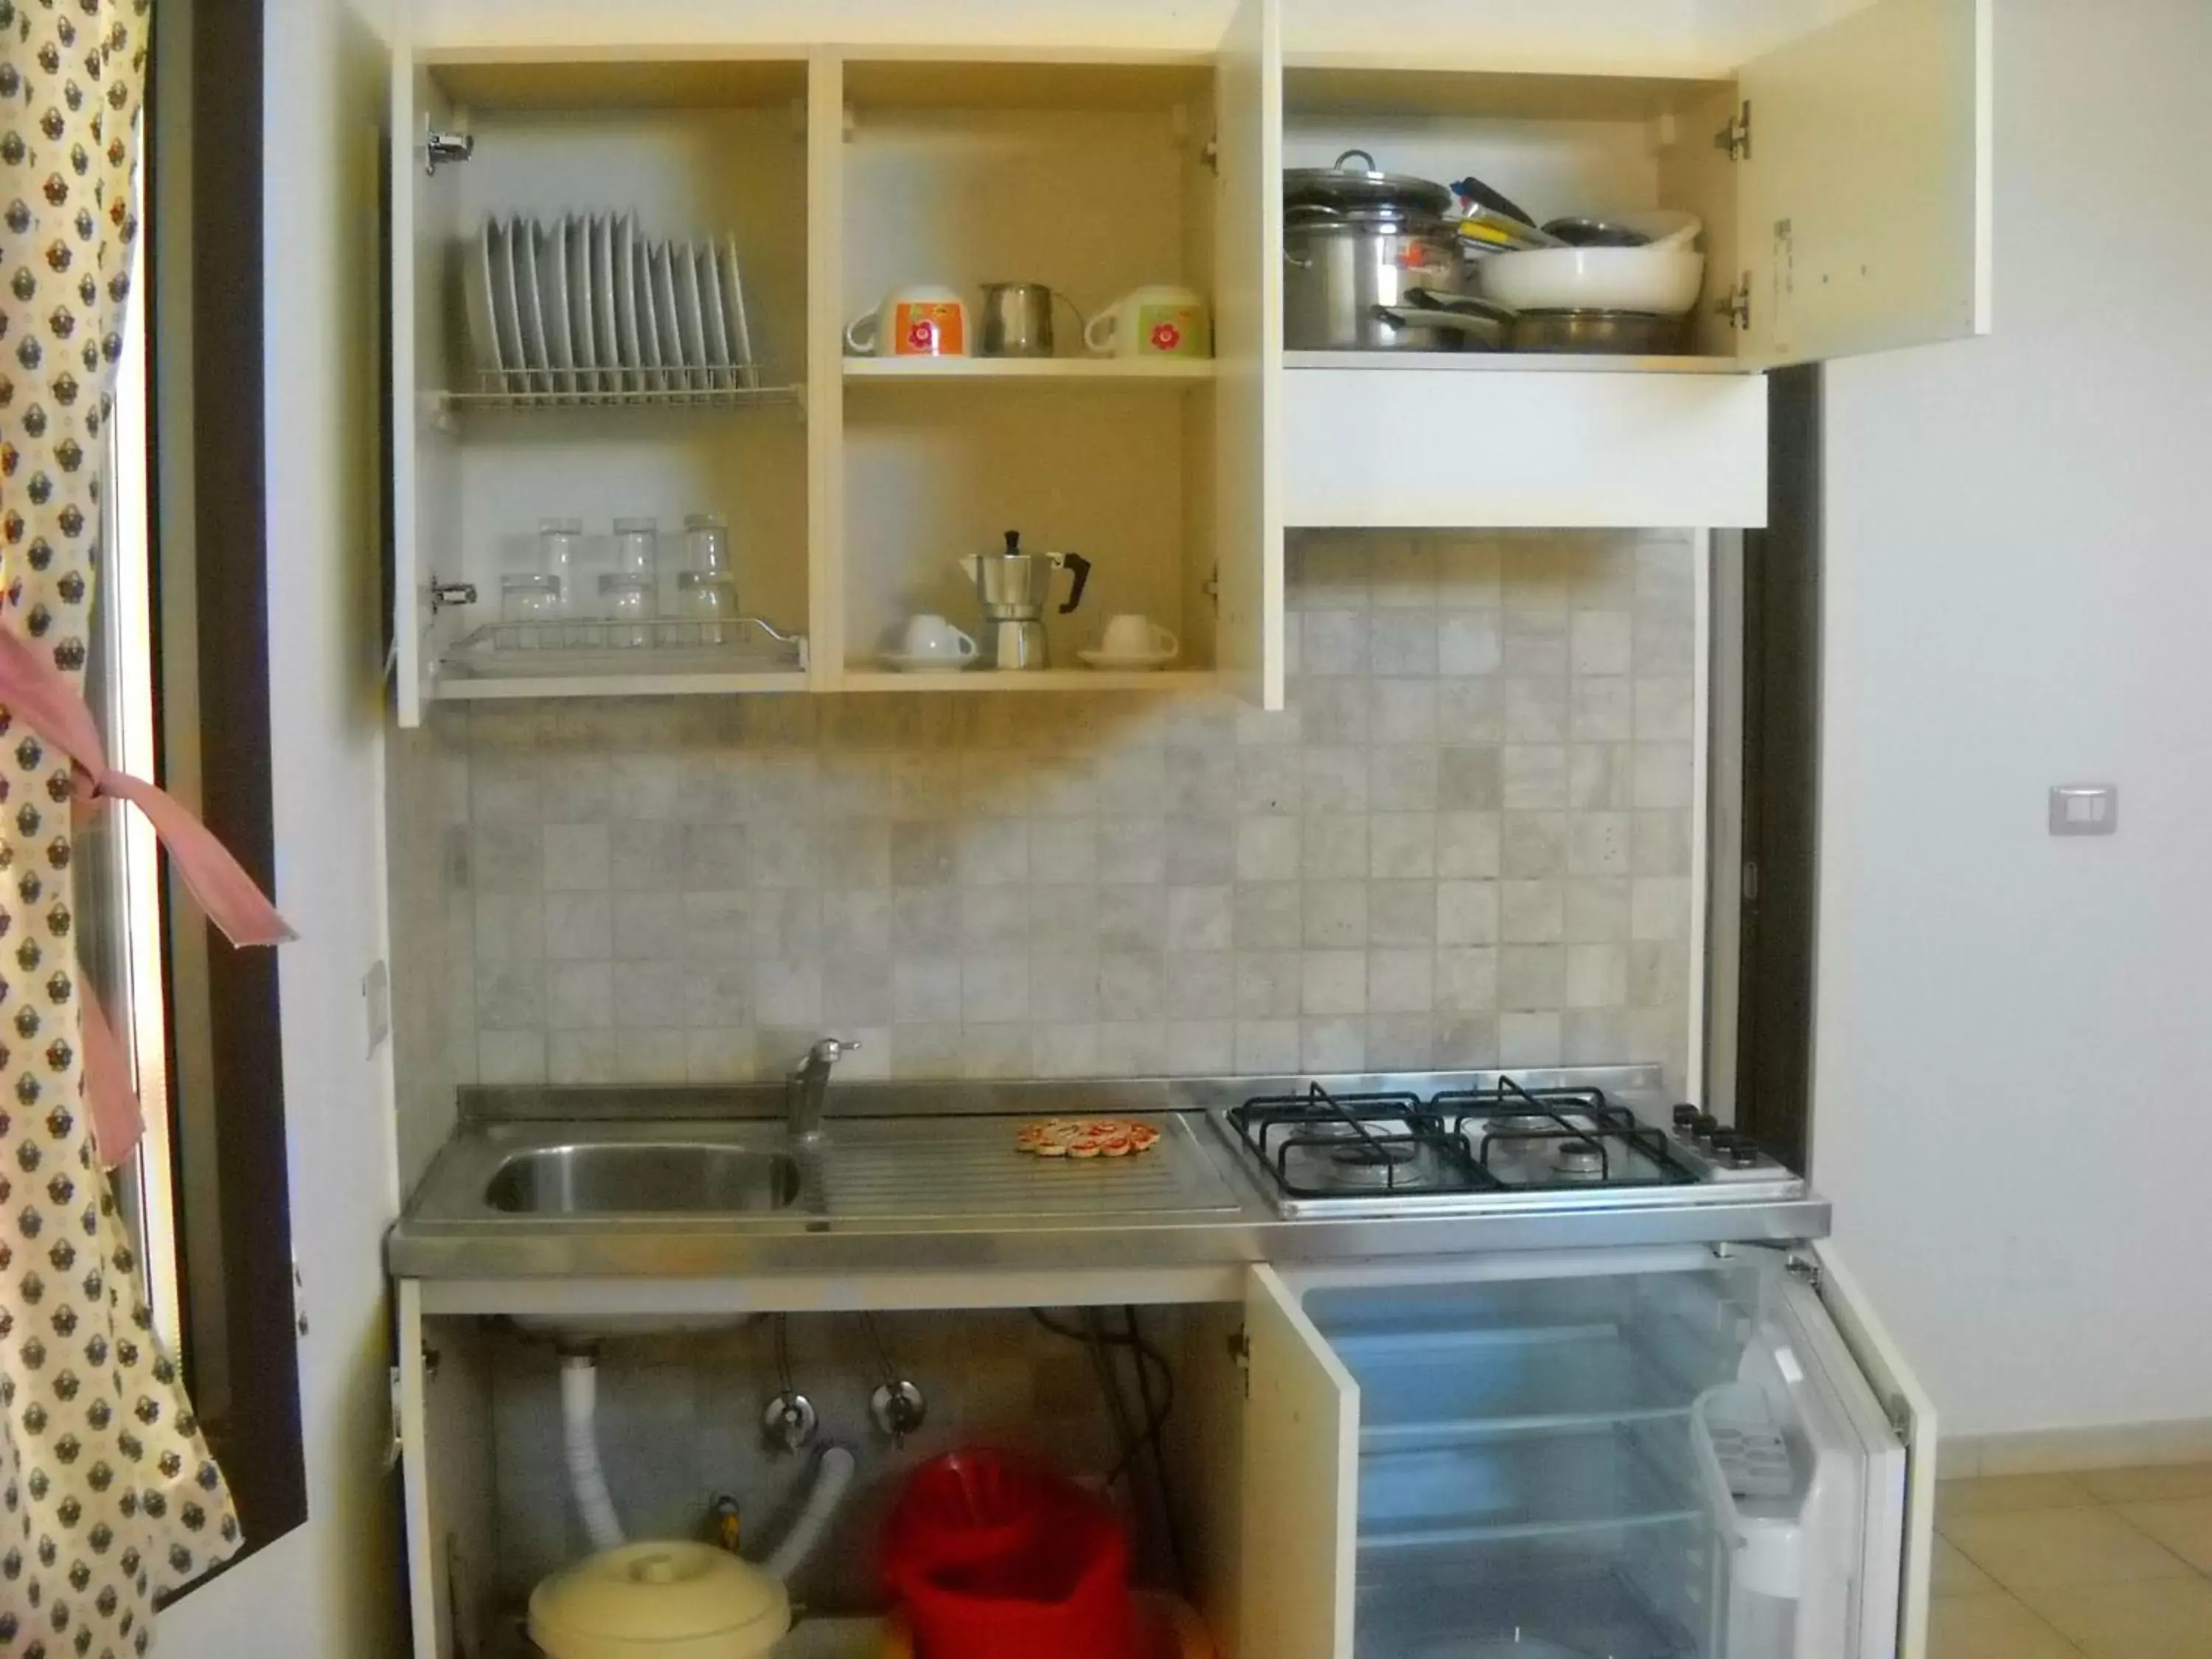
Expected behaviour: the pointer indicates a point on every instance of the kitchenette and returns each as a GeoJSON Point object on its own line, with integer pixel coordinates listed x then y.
{"type": "Point", "coordinates": [1060, 829]}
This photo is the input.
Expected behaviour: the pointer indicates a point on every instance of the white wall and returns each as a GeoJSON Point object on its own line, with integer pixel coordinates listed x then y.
{"type": "Point", "coordinates": [330, 1589]}
{"type": "Point", "coordinates": [2015, 1032]}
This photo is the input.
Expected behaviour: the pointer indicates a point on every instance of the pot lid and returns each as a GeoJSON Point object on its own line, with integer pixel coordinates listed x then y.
{"type": "Point", "coordinates": [1348, 189]}
{"type": "Point", "coordinates": [658, 1592]}
{"type": "Point", "coordinates": [1310, 218]}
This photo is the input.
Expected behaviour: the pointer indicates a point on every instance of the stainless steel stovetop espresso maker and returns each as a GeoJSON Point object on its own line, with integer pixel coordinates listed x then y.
{"type": "Point", "coordinates": [1014, 587]}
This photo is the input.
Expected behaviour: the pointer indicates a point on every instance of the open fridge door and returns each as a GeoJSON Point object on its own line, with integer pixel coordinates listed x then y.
{"type": "Point", "coordinates": [1808, 1455]}
{"type": "Point", "coordinates": [1912, 1416]}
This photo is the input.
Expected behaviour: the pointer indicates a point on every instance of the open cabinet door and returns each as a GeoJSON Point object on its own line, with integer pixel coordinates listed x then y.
{"type": "Point", "coordinates": [1864, 205]}
{"type": "Point", "coordinates": [1301, 1487]}
{"type": "Point", "coordinates": [1247, 341]}
{"type": "Point", "coordinates": [443, 1398]}
{"type": "Point", "coordinates": [422, 450]}
{"type": "Point", "coordinates": [1911, 1414]}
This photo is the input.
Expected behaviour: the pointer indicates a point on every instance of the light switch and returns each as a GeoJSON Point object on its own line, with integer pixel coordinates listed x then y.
{"type": "Point", "coordinates": [2085, 809]}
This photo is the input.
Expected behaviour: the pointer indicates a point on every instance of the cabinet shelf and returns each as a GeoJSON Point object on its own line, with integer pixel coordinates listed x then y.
{"type": "Point", "coordinates": [1039, 680]}
{"type": "Point", "coordinates": [1510, 362]}
{"type": "Point", "coordinates": [1048, 371]}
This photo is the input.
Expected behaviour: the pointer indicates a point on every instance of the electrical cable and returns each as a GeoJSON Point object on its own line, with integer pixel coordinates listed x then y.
{"type": "Point", "coordinates": [1158, 1416]}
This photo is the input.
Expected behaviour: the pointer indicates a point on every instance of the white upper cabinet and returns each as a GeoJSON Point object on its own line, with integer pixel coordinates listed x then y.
{"type": "Point", "coordinates": [1864, 216]}
{"type": "Point", "coordinates": [1839, 168]}
{"type": "Point", "coordinates": [1850, 213]}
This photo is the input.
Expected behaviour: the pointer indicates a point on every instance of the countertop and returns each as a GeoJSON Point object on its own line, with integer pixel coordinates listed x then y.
{"type": "Point", "coordinates": [926, 1181]}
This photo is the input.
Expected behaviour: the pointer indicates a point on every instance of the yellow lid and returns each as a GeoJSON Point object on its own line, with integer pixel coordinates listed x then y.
{"type": "Point", "coordinates": [659, 1599]}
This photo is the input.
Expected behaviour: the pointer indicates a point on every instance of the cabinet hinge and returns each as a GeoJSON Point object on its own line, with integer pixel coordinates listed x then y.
{"type": "Point", "coordinates": [1806, 1270]}
{"type": "Point", "coordinates": [398, 1447]}
{"type": "Point", "coordinates": [1735, 304]}
{"type": "Point", "coordinates": [443, 594]}
{"type": "Point", "coordinates": [441, 148]}
{"type": "Point", "coordinates": [1240, 1354]}
{"type": "Point", "coordinates": [1209, 153]}
{"type": "Point", "coordinates": [1212, 587]}
{"type": "Point", "coordinates": [1736, 136]}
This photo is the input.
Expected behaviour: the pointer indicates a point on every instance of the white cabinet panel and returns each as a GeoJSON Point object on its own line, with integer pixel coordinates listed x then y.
{"type": "Point", "coordinates": [1864, 207]}
{"type": "Point", "coordinates": [1301, 1483]}
{"type": "Point", "coordinates": [1247, 334]}
{"type": "Point", "coordinates": [1390, 448]}
{"type": "Point", "coordinates": [423, 496]}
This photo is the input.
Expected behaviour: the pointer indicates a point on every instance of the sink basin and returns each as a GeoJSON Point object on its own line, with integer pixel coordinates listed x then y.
{"type": "Point", "coordinates": [651, 1178]}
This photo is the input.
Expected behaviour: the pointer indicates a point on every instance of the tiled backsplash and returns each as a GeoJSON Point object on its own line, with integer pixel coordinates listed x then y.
{"type": "Point", "coordinates": [1468, 843]}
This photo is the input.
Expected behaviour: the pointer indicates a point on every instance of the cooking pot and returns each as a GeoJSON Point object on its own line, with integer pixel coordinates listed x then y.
{"type": "Point", "coordinates": [672, 1601]}
{"type": "Point", "coordinates": [1355, 242]}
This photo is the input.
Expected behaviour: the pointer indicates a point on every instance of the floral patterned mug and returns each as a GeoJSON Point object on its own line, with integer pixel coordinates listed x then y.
{"type": "Point", "coordinates": [1157, 320]}
{"type": "Point", "coordinates": [919, 321]}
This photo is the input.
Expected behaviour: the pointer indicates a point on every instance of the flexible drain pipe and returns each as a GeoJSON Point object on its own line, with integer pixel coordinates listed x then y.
{"type": "Point", "coordinates": [833, 1475]}
{"type": "Point", "coordinates": [587, 1481]}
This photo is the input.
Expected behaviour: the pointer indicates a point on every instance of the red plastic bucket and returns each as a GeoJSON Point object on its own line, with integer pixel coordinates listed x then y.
{"type": "Point", "coordinates": [995, 1558]}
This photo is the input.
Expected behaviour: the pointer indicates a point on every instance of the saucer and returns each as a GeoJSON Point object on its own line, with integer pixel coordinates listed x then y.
{"type": "Point", "coordinates": [899, 662]}
{"type": "Point", "coordinates": [1143, 661]}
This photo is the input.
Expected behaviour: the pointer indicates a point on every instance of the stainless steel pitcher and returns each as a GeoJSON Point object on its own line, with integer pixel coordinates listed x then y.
{"type": "Point", "coordinates": [1017, 319]}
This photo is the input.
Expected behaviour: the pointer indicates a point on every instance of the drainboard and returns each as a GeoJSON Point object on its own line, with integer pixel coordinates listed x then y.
{"type": "Point", "coordinates": [967, 1167]}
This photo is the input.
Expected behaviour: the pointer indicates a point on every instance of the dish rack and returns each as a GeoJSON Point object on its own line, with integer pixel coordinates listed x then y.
{"type": "Point", "coordinates": [708, 386]}
{"type": "Point", "coordinates": [561, 648]}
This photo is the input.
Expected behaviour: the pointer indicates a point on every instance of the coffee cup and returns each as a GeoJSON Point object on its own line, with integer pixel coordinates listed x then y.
{"type": "Point", "coordinates": [933, 639]}
{"type": "Point", "coordinates": [1158, 320]}
{"type": "Point", "coordinates": [918, 321]}
{"type": "Point", "coordinates": [1137, 636]}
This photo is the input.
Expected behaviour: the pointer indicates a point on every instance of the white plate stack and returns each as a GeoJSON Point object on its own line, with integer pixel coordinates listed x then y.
{"type": "Point", "coordinates": [581, 309]}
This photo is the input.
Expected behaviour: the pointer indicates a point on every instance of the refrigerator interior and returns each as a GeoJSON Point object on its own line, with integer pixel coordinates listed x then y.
{"type": "Point", "coordinates": [1648, 1465]}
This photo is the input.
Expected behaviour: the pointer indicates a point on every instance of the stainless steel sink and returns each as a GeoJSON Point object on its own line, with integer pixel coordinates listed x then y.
{"type": "Point", "coordinates": [613, 1178]}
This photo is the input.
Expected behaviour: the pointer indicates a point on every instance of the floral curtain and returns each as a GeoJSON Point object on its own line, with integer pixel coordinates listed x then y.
{"type": "Point", "coordinates": [108, 1496]}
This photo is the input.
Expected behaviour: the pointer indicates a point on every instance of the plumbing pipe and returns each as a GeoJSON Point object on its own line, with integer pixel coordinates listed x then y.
{"type": "Point", "coordinates": [579, 1394]}
{"type": "Point", "coordinates": [833, 1477]}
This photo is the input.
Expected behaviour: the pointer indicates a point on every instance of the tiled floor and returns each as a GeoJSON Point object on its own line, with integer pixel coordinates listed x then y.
{"type": "Point", "coordinates": [2114, 1565]}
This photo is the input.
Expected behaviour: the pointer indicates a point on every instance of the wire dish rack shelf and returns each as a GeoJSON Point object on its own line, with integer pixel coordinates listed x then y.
{"type": "Point", "coordinates": [707, 386]}
{"type": "Point", "coordinates": [561, 648]}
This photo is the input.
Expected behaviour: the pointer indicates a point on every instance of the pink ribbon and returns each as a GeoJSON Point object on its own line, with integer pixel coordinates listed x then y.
{"type": "Point", "coordinates": [38, 693]}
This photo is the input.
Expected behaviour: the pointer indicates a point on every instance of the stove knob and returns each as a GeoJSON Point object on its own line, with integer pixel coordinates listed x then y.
{"type": "Point", "coordinates": [1743, 1154]}
{"type": "Point", "coordinates": [1685, 1118]}
{"type": "Point", "coordinates": [1723, 1139]}
{"type": "Point", "coordinates": [1704, 1128]}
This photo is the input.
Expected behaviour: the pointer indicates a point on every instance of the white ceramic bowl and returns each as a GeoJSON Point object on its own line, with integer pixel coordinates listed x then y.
{"type": "Point", "coordinates": [1660, 281]}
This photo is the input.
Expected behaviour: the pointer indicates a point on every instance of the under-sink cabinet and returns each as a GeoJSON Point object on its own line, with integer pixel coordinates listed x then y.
{"type": "Point", "coordinates": [1840, 169]}
{"type": "Point", "coordinates": [1672, 1453]}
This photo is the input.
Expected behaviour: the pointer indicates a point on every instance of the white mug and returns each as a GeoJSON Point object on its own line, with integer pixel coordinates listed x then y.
{"type": "Point", "coordinates": [933, 637]}
{"type": "Point", "coordinates": [1157, 320]}
{"type": "Point", "coordinates": [1137, 636]}
{"type": "Point", "coordinates": [918, 321]}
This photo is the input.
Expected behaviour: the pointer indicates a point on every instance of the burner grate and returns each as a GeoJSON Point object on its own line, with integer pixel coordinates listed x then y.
{"type": "Point", "coordinates": [1510, 1123]}
{"type": "Point", "coordinates": [1366, 1143]}
{"type": "Point", "coordinates": [1499, 1138]}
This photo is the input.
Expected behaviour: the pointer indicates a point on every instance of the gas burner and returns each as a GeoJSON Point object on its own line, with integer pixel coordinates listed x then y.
{"type": "Point", "coordinates": [1524, 1123]}
{"type": "Point", "coordinates": [1578, 1160]}
{"type": "Point", "coordinates": [1349, 1159]}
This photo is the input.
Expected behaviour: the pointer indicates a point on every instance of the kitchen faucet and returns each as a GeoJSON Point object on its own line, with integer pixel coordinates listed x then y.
{"type": "Point", "coordinates": [808, 1086]}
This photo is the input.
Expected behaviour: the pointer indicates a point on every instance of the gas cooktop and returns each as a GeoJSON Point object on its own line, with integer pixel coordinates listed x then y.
{"type": "Point", "coordinates": [1495, 1141]}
